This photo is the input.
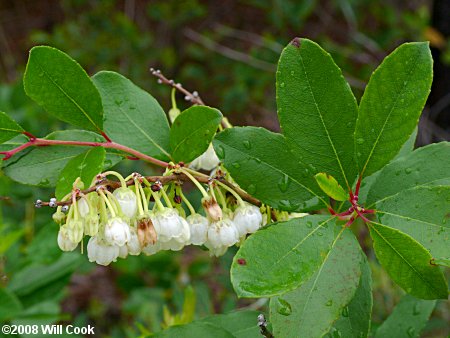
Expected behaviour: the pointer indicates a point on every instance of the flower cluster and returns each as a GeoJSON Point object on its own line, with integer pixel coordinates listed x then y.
{"type": "Point", "coordinates": [142, 217]}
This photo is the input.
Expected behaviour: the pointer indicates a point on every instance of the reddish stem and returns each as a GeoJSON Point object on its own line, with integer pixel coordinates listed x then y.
{"type": "Point", "coordinates": [110, 145]}
{"type": "Point", "coordinates": [358, 185]}
{"type": "Point", "coordinates": [106, 137]}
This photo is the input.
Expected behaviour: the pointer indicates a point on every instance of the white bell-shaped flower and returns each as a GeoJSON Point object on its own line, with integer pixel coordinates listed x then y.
{"type": "Point", "coordinates": [75, 230]}
{"type": "Point", "coordinates": [117, 231]}
{"type": "Point", "coordinates": [64, 242]}
{"type": "Point", "coordinates": [247, 218]}
{"type": "Point", "coordinates": [222, 233]}
{"type": "Point", "coordinates": [169, 225]}
{"type": "Point", "coordinates": [218, 251]}
{"type": "Point", "coordinates": [127, 200]}
{"type": "Point", "coordinates": [100, 252]}
{"type": "Point", "coordinates": [207, 161]}
{"type": "Point", "coordinates": [198, 226]}
{"type": "Point", "coordinates": [133, 245]}
{"type": "Point", "coordinates": [173, 245]}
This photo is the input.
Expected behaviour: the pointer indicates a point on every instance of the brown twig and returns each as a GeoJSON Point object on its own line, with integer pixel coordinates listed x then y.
{"type": "Point", "coordinates": [192, 97]}
{"type": "Point", "coordinates": [164, 180]}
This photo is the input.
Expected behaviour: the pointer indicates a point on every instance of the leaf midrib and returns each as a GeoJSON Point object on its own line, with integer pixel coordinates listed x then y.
{"type": "Point", "coordinates": [322, 121]}
{"type": "Point", "coordinates": [68, 96]}
{"type": "Point", "coordinates": [276, 169]}
{"type": "Point", "coordinates": [387, 118]}
{"type": "Point", "coordinates": [401, 256]}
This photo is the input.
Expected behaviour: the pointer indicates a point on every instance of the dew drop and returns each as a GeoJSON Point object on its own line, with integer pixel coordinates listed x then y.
{"type": "Point", "coordinates": [408, 170]}
{"type": "Point", "coordinates": [251, 189]}
{"type": "Point", "coordinates": [329, 303]}
{"type": "Point", "coordinates": [411, 332]}
{"type": "Point", "coordinates": [247, 144]}
{"type": "Point", "coordinates": [44, 182]}
{"type": "Point", "coordinates": [349, 124]}
{"type": "Point", "coordinates": [360, 141]}
{"type": "Point", "coordinates": [309, 224]}
{"type": "Point", "coordinates": [358, 154]}
{"type": "Point", "coordinates": [416, 309]}
{"type": "Point", "coordinates": [320, 235]}
{"type": "Point", "coordinates": [282, 84]}
{"type": "Point", "coordinates": [220, 151]}
{"type": "Point", "coordinates": [284, 308]}
{"type": "Point", "coordinates": [283, 184]}
{"type": "Point", "coordinates": [257, 160]}
{"type": "Point", "coordinates": [118, 102]}
{"type": "Point", "coordinates": [292, 73]}
{"type": "Point", "coordinates": [236, 165]}
{"type": "Point", "coordinates": [41, 74]}
{"type": "Point", "coordinates": [108, 163]}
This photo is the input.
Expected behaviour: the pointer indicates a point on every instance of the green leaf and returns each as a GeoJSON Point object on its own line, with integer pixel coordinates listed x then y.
{"type": "Point", "coordinates": [423, 213]}
{"type": "Point", "coordinates": [36, 276]}
{"type": "Point", "coordinates": [407, 319]}
{"type": "Point", "coordinates": [310, 310]}
{"type": "Point", "coordinates": [261, 163]}
{"type": "Point", "coordinates": [41, 166]}
{"type": "Point", "coordinates": [297, 249]}
{"type": "Point", "coordinates": [194, 330]}
{"type": "Point", "coordinates": [355, 317]}
{"type": "Point", "coordinates": [10, 305]}
{"type": "Point", "coordinates": [331, 187]}
{"type": "Point", "coordinates": [242, 324]}
{"type": "Point", "coordinates": [391, 105]}
{"type": "Point", "coordinates": [8, 128]}
{"type": "Point", "coordinates": [192, 132]}
{"type": "Point", "coordinates": [86, 166]}
{"type": "Point", "coordinates": [408, 263]}
{"type": "Point", "coordinates": [132, 116]}
{"type": "Point", "coordinates": [59, 84]}
{"type": "Point", "coordinates": [426, 166]}
{"type": "Point", "coordinates": [317, 110]}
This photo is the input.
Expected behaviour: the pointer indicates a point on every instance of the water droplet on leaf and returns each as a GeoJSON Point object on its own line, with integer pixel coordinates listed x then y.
{"type": "Point", "coordinates": [408, 170]}
{"type": "Point", "coordinates": [329, 303]}
{"type": "Point", "coordinates": [220, 151]}
{"type": "Point", "coordinates": [251, 189]}
{"type": "Point", "coordinates": [345, 312]}
{"type": "Point", "coordinates": [360, 141]}
{"type": "Point", "coordinates": [284, 308]}
{"type": "Point", "coordinates": [247, 144]}
{"type": "Point", "coordinates": [411, 332]}
{"type": "Point", "coordinates": [236, 165]}
{"type": "Point", "coordinates": [284, 183]}
{"type": "Point", "coordinates": [282, 84]}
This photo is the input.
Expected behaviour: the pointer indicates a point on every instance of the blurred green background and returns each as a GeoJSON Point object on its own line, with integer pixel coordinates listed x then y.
{"type": "Point", "coordinates": [225, 50]}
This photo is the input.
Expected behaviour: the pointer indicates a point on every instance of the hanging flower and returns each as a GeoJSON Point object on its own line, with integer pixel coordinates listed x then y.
{"type": "Point", "coordinates": [247, 218]}
{"type": "Point", "coordinates": [100, 252]}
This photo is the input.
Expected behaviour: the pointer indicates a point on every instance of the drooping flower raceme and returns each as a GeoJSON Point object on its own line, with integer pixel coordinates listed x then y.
{"type": "Point", "coordinates": [247, 218]}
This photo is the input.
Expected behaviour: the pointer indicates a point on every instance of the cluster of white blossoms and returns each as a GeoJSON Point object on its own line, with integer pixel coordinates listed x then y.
{"type": "Point", "coordinates": [141, 218]}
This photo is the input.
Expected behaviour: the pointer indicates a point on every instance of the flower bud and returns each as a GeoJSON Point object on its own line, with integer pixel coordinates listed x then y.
{"type": "Point", "coordinates": [127, 200]}
{"type": "Point", "coordinates": [198, 226]}
{"type": "Point", "coordinates": [222, 233]}
{"type": "Point", "coordinates": [117, 231]}
{"type": "Point", "coordinates": [100, 252]}
{"type": "Point", "coordinates": [64, 242]}
{"type": "Point", "coordinates": [247, 218]}
{"type": "Point", "coordinates": [83, 207]}
{"type": "Point", "coordinates": [207, 161]}
{"type": "Point", "coordinates": [75, 230]}
{"type": "Point", "coordinates": [173, 114]}
{"type": "Point", "coordinates": [91, 223]}
{"type": "Point", "coordinates": [212, 209]}
{"type": "Point", "coordinates": [146, 231]}
{"type": "Point", "coordinates": [59, 217]}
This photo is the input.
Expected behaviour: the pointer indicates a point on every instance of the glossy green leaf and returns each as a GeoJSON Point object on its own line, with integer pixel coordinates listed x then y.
{"type": "Point", "coordinates": [408, 263]}
{"type": "Point", "coordinates": [194, 330]}
{"type": "Point", "coordinates": [426, 166]}
{"type": "Point", "coordinates": [391, 105]}
{"type": "Point", "coordinates": [316, 304]}
{"type": "Point", "coordinates": [59, 84]}
{"type": "Point", "coordinates": [42, 165]}
{"type": "Point", "coordinates": [317, 110]}
{"type": "Point", "coordinates": [132, 116]}
{"type": "Point", "coordinates": [423, 213]}
{"type": "Point", "coordinates": [261, 163]}
{"type": "Point", "coordinates": [297, 249]}
{"type": "Point", "coordinates": [10, 305]}
{"type": "Point", "coordinates": [331, 187]}
{"type": "Point", "coordinates": [355, 317]}
{"type": "Point", "coordinates": [407, 319]}
{"type": "Point", "coordinates": [85, 166]}
{"type": "Point", "coordinates": [242, 324]}
{"type": "Point", "coordinates": [192, 132]}
{"type": "Point", "coordinates": [8, 128]}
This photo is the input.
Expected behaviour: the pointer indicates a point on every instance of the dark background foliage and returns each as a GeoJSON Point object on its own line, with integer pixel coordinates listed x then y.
{"type": "Point", "coordinates": [227, 51]}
